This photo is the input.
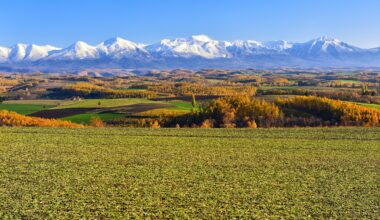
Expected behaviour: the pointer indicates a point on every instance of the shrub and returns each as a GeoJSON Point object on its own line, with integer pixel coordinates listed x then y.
{"type": "Point", "coordinates": [97, 122]}
{"type": "Point", "coordinates": [207, 124]}
{"type": "Point", "coordinates": [155, 124]}
{"type": "Point", "coordinates": [252, 124]}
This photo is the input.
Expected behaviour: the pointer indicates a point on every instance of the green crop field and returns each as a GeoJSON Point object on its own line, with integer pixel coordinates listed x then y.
{"type": "Point", "coordinates": [23, 109]}
{"type": "Point", "coordinates": [180, 105]}
{"type": "Point", "coordinates": [370, 105]}
{"type": "Point", "coordinates": [104, 103]}
{"type": "Point", "coordinates": [86, 118]}
{"type": "Point", "coordinates": [310, 173]}
{"type": "Point", "coordinates": [346, 81]}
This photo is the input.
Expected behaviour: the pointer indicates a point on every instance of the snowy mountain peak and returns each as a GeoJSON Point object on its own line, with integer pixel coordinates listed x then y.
{"type": "Point", "coordinates": [25, 52]}
{"type": "Point", "coordinates": [120, 48]}
{"type": "Point", "coordinates": [79, 45]}
{"type": "Point", "coordinates": [17, 52]}
{"type": "Point", "coordinates": [115, 40]}
{"type": "Point", "coordinates": [323, 46]}
{"type": "Point", "coordinates": [279, 45]}
{"type": "Point", "coordinates": [120, 42]}
{"type": "Point", "coordinates": [4, 53]}
{"type": "Point", "coordinates": [247, 43]}
{"type": "Point", "coordinates": [20, 46]}
{"type": "Point", "coordinates": [195, 46]}
{"type": "Point", "coordinates": [4, 49]}
{"type": "Point", "coordinates": [79, 50]}
{"type": "Point", "coordinates": [327, 38]}
{"type": "Point", "coordinates": [195, 51]}
{"type": "Point", "coordinates": [201, 38]}
{"type": "Point", "coordinates": [35, 52]}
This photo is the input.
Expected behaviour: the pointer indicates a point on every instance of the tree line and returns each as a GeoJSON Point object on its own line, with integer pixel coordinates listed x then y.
{"type": "Point", "coordinates": [8, 118]}
{"type": "Point", "coordinates": [88, 90]}
{"type": "Point", "coordinates": [251, 112]}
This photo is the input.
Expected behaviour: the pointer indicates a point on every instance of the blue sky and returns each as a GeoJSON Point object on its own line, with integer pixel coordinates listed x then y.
{"type": "Point", "coordinates": [62, 22]}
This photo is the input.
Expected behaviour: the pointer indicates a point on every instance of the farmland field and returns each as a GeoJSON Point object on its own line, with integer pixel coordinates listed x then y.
{"type": "Point", "coordinates": [106, 109]}
{"type": "Point", "coordinates": [180, 105]}
{"type": "Point", "coordinates": [23, 109]}
{"type": "Point", "coordinates": [86, 118]}
{"type": "Point", "coordinates": [50, 102]}
{"type": "Point", "coordinates": [104, 103]}
{"type": "Point", "coordinates": [190, 173]}
{"type": "Point", "coordinates": [377, 106]}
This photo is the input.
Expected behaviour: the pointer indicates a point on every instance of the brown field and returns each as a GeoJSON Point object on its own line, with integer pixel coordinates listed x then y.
{"type": "Point", "coordinates": [128, 110]}
{"type": "Point", "coordinates": [61, 113]}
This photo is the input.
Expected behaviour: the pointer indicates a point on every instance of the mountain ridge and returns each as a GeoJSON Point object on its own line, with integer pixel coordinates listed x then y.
{"type": "Point", "coordinates": [197, 51]}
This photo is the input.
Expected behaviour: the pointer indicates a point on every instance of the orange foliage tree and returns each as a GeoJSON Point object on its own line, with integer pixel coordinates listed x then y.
{"type": "Point", "coordinates": [241, 111]}
{"type": "Point", "coordinates": [335, 111]}
{"type": "Point", "coordinates": [89, 90]}
{"type": "Point", "coordinates": [231, 112]}
{"type": "Point", "coordinates": [8, 118]}
{"type": "Point", "coordinates": [97, 122]}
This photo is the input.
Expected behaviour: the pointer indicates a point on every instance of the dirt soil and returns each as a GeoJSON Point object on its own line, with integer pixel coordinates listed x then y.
{"type": "Point", "coordinates": [61, 113]}
{"type": "Point", "coordinates": [128, 109]}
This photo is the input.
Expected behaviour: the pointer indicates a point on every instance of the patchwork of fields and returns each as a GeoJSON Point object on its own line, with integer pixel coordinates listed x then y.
{"type": "Point", "coordinates": [81, 111]}
{"type": "Point", "coordinates": [190, 173]}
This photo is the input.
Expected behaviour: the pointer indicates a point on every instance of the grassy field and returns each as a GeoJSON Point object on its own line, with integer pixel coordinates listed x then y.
{"type": "Point", "coordinates": [104, 103]}
{"type": "Point", "coordinates": [162, 112]}
{"type": "Point", "coordinates": [189, 173]}
{"type": "Point", "coordinates": [347, 81]}
{"type": "Point", "coordinates": [180, 105]}
{"type": "Point", "coordinates": [86, 118]}
{"type": "Point", "coordinates": [23, 109]}
{"type": "Point", "coordinates": [370, 105]}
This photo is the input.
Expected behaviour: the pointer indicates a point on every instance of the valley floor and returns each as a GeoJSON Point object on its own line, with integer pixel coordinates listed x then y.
{"type": "Point", "coordinates": [190, 173]}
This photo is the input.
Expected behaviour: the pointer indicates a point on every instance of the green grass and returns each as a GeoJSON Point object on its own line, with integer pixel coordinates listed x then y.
{"type": "Point", "coordinates": [346, 73]}
{"type": "Point", "coordinates": [104, 103]}
{"type": "Point", "coordinates": [377, 106]}
{"type": "Point", "coordinates": [86, 118]}
{"type": "Point", "coordinates": [180, 105]}
{"type": "Point", "coordinates": [347, 81]}
{"type": "Point", "coordinates": [319, 173]}
{"type": "Point", "coordinates": [162, 112]}
{"type": "Point", "coordinates": [23, 109]}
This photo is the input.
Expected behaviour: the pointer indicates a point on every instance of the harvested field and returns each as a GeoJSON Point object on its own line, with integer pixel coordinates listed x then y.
{"type": "Point", "coordinates": [50, 102]}
{"type": "Point", "coordinates": [128, 110]}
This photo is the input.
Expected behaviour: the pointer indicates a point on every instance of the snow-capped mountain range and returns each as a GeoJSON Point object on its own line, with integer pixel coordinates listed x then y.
{"type": "Point", "coordinates": [199, 51]}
